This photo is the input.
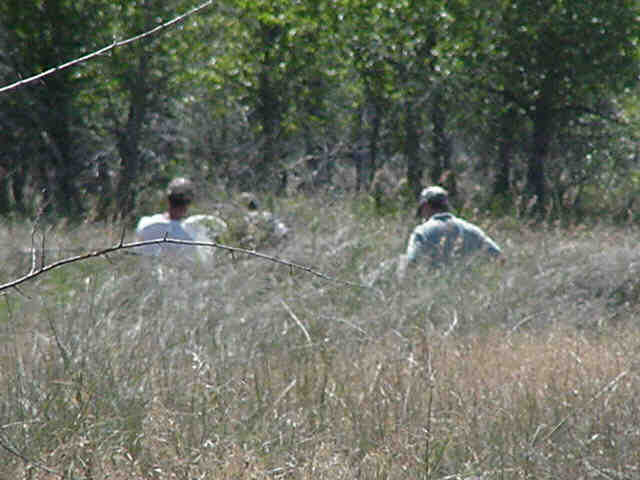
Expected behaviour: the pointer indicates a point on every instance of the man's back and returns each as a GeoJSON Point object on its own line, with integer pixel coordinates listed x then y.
{"type": "Point", "coordinates": [157, 227]}
{"type": "Point", "coordinates": [444, 237]}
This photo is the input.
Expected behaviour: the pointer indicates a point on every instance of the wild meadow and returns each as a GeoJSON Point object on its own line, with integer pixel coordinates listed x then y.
{"type": "Point", "coordinates": [123, 367]}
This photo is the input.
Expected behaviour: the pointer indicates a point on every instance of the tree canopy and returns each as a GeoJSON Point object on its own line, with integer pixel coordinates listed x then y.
{"type": "Point", "coordinates": [539, 95]}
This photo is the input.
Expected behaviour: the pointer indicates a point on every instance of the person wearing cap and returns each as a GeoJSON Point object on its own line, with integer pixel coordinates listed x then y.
{"type": "Point", "coordinates": [443, 236]}
{"type": "Point", "coordinates": [168, 224]}
{"type": "Point", "coordinates": [262, 226]}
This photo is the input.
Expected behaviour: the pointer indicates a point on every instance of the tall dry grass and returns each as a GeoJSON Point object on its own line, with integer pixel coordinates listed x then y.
{"type": "Point", "coordinates": [124, 368]}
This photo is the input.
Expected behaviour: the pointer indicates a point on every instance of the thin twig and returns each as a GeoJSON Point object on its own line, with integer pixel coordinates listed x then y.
{"type": "Point", "coordinates": [453, 324]}
{"type": "Point", "coordinates": [598, 394]}
{"type": "Point", "coordinates": [285, 391]}
{"type": "Point", "coordinates": [42, 245]}
{"type": "Point", "coordinates": [124, 231]}
{"type": "Point", "coordinates": [106, 49]}
{"type": "Point", "coordinates": [297, 320]}
{"type": "Point", "coordinates": [20, 292]}
{"type": "Point", "coordinates": [63, 350]}
{"type": "Point", "coordinates": [522, 322]}
{"type": "Point", "coordinates": [103, 252]}
{"type": "Point", "coordinates": [33, 250]}
{"type": "Point", "coordinates": [13, 451]}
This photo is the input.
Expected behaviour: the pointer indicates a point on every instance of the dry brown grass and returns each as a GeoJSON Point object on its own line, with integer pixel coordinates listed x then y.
{"type": "Point", "coordinates": [124, 369]}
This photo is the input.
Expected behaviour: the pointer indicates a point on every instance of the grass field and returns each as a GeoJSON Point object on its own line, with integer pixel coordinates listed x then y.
{"type": "Point", "coordinates": [242, 368]}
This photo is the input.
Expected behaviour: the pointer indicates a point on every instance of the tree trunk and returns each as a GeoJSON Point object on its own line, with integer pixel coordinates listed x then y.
{"type": "Point", "coordinates": [57, 137]}
{"type": "Point", "coordinates": [374, 141]}
{"type": "Point", "coordinates": [5, 199]}
{"type": "Point", "coordinates": [104, 191]}
{"type": "Point", "coordinates": [66, 194]}
{"type": "Point", "coordinates": [269, 114]}
{"type": "Point", "coordinates": [129, 150]}
{"type": "Point", "coordinates": [506, 142]}
{"type": "Point", "coordinates": [441, 171]}
{"type": "Point", "coordinates": [355, 154]}
{"type": "Point", "coordinates": [129, 139]}
{"type": "Point", "coordinates": [19, 180]}
{"type": "Point", "coordinates": [360, 158]}
{"type": "Point", "coordinates": [536, 179]}
{"type": "Point", "coordinates": [128, 176]}
{"type": "Point", "coordinates": [269, 121]}
{"type": "Point", "coordinates": [412, 151]}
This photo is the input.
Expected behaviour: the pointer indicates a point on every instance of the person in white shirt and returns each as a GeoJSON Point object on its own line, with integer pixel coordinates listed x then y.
{"type": "Point", "coordinates": [168, 224]}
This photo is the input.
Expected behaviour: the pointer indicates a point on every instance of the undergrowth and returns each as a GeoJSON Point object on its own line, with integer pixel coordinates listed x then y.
{"type": "Point", "coordinates": [242, 368]}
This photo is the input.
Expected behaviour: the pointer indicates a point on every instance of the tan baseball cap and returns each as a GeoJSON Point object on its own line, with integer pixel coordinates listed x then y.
{"type": "Point", "coordinates": [433, 195]}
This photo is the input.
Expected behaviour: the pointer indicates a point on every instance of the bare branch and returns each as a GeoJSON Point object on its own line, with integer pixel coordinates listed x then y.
{"type": "Point", "coordinates": [4, 443]}
{"type": "Point", "coordinates": [124, 231]}
{"type": "Point", "coordinates": [34, 256]}
{"type": "Point", "coordinates": [608, 387]}
{"type": "Point", "coordinates": [233, 250]}
{"type": "Point", "coordinates": [297, 320]}
{"type": "Point", "coordinates": [42, 248]}
{"type": "Point", "coordinates": [103, 50]}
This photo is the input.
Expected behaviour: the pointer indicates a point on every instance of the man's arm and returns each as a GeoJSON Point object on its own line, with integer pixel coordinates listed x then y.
{"type": "Point", "coordinates": [414, 246]}
{"type": "Point", "coordinates": [492, 247]}
{"type": "Point", "coordinates": [411, 255]}
{"type": "Point", "coordinates": [480, 239]}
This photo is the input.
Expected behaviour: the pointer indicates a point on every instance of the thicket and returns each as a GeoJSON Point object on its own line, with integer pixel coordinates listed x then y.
{"type": "Point", "coordinates": [240, 367]}
{"type": "Point", "coordinates": [125, 367]}
{"type": "Point", "coordinates": [540, 99]}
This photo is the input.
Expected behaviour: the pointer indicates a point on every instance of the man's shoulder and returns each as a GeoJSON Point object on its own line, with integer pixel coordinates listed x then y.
{"type": "Point", "coordinates": [477, 234]}
{"type": "Point", "coordinates": [435, 222]}
{"type": "Point", "coordinates": [157, 226]}
{"type": "Point", "coordinates": [158, 218]}
{"type": "Point", "coordinates": [469, 226]}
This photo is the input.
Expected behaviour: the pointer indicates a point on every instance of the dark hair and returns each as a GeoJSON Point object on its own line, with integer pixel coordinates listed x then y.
{"type": "Point", "coordinates": [179, 200]}
{"type": "Point", "coordinates": [439, 202]}
{"type": "Point", "coordinates": [180, 191]}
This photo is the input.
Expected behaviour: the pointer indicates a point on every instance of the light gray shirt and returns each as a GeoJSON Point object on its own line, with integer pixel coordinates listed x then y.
{"type": "Point", "coordinates": [444, 237]}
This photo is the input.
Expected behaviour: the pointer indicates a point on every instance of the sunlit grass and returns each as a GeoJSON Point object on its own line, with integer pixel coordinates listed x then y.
{"type": "Point", "coordinates": [122, 368]}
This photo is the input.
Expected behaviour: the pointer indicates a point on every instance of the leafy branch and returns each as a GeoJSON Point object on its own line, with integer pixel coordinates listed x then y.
{"type": "Point", "coordinates": [108, 48]}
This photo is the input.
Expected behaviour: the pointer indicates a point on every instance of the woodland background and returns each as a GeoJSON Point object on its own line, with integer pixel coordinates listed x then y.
{"type": "Point", "coordinates": [536, 98]}
{"type": "Point", "coordinates": [334, 113]}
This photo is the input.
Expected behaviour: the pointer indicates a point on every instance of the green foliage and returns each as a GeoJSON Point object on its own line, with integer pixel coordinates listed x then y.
{"type": "Point", "coordinates": [593, 48]}
{"type": "Point", "coordinates": [46, 124]}
{"type": "Point", "coordinates": [502, 206]}
{"type": "Point", "coordinates": [246, 88]}
{"type": "Point", "coordinates": [594, 58]}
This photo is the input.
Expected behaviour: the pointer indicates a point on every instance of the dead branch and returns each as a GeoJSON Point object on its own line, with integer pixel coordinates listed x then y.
{"type": "Point", "coordinates": [607, 388]}
{"type": "Point", "coordinates": [124, 246]}
{"type": "Point", "coordinates": [103, 50]}
{"type": "Point", "coordinates": [29, 461]}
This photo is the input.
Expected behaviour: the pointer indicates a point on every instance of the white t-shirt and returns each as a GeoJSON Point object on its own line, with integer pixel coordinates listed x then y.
{"type": "Point", "coordinates": [194, 228]}
{"type": "Point", "coordinates": [156, 227]}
